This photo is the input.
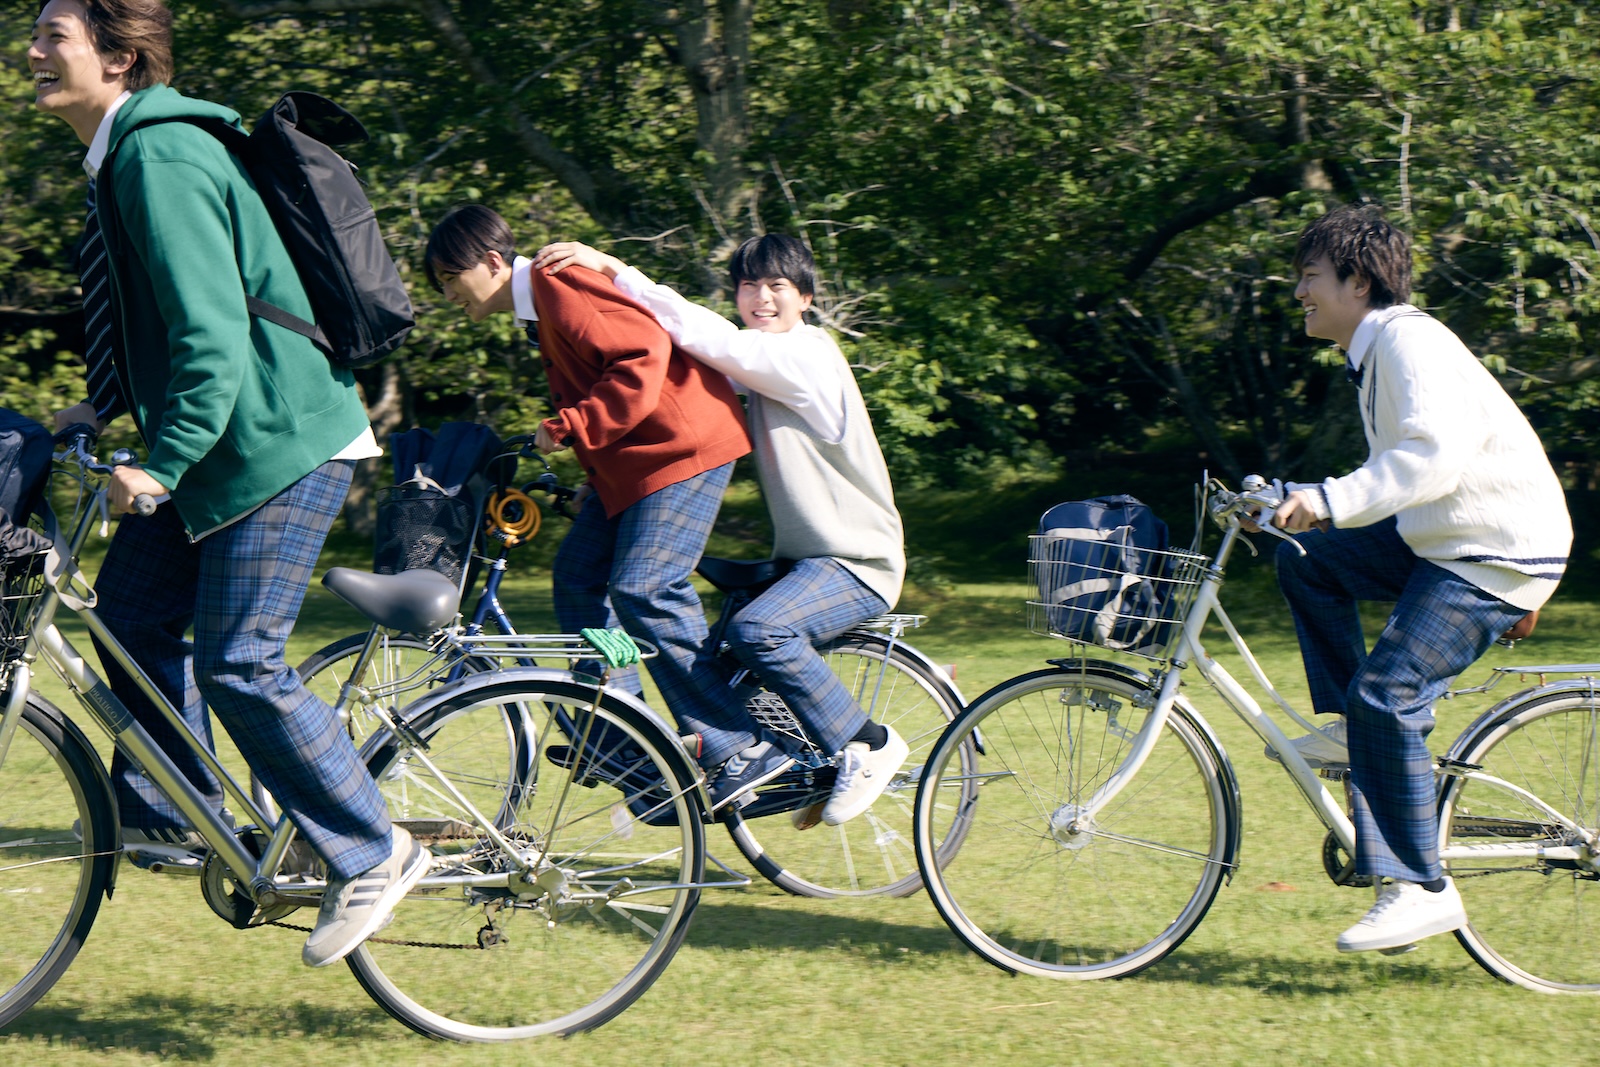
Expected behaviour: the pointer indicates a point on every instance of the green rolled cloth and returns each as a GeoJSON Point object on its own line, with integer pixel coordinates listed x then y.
{"type": "Point", "coordinates": [614, 645]}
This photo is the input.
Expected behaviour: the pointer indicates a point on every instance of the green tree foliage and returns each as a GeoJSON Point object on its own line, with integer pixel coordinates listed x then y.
{"type": "Point", "coordinates": [1046, 228]}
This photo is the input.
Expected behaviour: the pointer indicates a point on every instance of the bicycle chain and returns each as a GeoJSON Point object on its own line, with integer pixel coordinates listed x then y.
{"type": "Point", "coordinates": [385, 940]}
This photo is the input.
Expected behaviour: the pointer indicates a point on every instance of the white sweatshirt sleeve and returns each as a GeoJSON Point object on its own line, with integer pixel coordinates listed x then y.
{"type": "Point", "coordinates": [791, 368]}
{"type": "Point", "coordinates": [1427, 423]}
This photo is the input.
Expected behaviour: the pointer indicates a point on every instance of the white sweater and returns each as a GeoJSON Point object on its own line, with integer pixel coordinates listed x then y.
{"type": "Point", "coordinates": [822, 472]}
{"type": "Point", "coordinates": [1454, 460]}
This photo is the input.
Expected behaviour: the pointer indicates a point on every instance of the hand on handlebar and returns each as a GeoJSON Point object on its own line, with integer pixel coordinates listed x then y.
{"type": "Point", "coordinates": [1297, 514]}
{"type": "Point", "coordinates": [133, 492]}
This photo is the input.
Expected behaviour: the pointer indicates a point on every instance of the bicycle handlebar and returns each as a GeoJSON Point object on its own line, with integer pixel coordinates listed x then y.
{"type": "Point", "coordinates": [1258, 501]}
{"type": "Point", "coordinates": [77, 439]}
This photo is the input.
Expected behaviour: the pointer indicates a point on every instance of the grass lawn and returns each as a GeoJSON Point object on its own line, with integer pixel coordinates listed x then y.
{"type": "Point", "coordinates": [764, 977]}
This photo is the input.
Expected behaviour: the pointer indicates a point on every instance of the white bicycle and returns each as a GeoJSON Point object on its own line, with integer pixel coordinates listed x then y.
{"type": "Point", "coordinates": [1107, 814]}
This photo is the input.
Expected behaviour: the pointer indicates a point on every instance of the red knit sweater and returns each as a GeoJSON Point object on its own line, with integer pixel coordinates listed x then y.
{"type": "Point", "coordinates": [639, 414]}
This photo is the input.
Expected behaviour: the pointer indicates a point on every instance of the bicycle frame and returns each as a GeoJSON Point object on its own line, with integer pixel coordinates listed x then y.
{"type": "Point", "coordinates": [46, 641]}
{"type": "Point", "coordinates": [1190, 650]}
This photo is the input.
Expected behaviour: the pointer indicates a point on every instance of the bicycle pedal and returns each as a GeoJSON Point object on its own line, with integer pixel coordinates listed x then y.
{"type": "Point", "coordinates": [164, 864]}
{"type": "Point", "coordinates": [807, 817]}
{"type": "Point", "coordinates": [1399, 950]}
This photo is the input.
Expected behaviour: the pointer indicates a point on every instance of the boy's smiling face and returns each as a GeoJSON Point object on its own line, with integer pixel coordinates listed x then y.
{"type": "Point", "coordinates": [773, 305]}
{"type": "Point", "coordinates": [71, 78]}
{"type": "Point", "coordinates": [1333, 308]}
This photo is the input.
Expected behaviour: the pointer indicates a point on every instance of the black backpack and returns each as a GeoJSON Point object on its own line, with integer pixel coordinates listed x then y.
{"type": "Point", "coordinates": [327, 224]}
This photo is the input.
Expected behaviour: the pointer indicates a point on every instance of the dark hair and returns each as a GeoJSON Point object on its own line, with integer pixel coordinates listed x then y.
{"type": "Point", "coordinates": [462, 238]}
{"type": "Point", "coordinates": [1358, 241]}
{"type": "Point", "coordinates": [143, 27]}
{"type": "Point", "coordinates": [775, 256]}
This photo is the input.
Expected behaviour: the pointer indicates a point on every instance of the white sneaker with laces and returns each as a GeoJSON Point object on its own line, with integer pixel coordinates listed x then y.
{"type": "Point", "coordinates": [864, 773]}
{"type": "Point", "coordinates": [1324, 748]}
{"type": "Point", "coordinates": [1405, 913]}
{"type": "Point", "coordinates": [353, 909]}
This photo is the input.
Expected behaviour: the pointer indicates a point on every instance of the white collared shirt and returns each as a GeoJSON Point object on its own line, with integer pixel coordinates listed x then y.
{"type": "Point", "coordinates": [522, 291]}
{"type": "Point", "coordinates": [1361, 340]}
{"type": "Point", "coordinates": [100, 143]}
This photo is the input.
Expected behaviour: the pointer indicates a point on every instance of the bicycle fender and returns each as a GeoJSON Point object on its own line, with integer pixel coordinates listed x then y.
{"type": "Point", "coordinates": [665, 739]}
{"type": "Point", "coordinates": [1579, 686]}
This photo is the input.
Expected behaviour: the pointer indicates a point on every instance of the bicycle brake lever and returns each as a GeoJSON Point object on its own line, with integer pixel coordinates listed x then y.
{"type": "Point", "coordinates": [1263, 521]}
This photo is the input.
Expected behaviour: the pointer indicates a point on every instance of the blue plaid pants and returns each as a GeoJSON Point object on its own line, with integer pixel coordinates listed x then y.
{"type": "Point", "coordinates": [240, 588]}
{"type": "Point", "coordinates": [1440, 625]}
{"type": "Point", "coordinates": [633, 570]}
{"type": "Point", "coordinates": [775, 636]}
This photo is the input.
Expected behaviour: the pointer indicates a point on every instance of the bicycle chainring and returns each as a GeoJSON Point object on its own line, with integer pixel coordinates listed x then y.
{"type": "Point", "coordinates": [229, 899]}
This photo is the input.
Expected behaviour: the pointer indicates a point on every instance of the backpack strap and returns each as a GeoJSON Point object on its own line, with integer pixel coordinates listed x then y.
{"type": "Point", "coordinates": [236, 141]}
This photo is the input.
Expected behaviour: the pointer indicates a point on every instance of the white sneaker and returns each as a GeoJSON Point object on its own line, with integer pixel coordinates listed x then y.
{"type": "Point", "coordinates": [1324, 748]}
{"type": "Point", "coordinates": [1405, 913]}
{"type": "Point", "coordinates": [353, 909]}
{"type": "Point", "coordinates": [864, 773]}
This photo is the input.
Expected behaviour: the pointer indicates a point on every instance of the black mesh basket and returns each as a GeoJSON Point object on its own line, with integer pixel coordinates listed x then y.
{"type": "Point", "coordinates": [21, 585]}
{"type": "Point", "coordinates": [421, 528]}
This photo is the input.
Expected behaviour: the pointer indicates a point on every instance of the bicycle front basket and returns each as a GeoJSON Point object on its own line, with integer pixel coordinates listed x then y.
{"type": "Point", "coordinates": [1110, 593]}
{"type": "Point", "coordinates": [422, 528]}
{"type": "Point", "coordinates": [21, 584]}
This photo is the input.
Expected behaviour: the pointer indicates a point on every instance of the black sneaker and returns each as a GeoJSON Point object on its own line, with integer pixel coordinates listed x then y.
{"type": "Point", "coordinates": [746, 770]}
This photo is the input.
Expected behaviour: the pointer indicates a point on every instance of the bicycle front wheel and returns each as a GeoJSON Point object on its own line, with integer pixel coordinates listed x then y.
{"type": "Point", "coordinates": [1530, 880]}
{"type": "Point", "coordinates": [872, 853]}
{"type": "Point", "coordinates": [611, 844]}
{"type": "Point", "coordinates": [1053, 880]}
{"type": "Point", "coordinates": [57, 850]}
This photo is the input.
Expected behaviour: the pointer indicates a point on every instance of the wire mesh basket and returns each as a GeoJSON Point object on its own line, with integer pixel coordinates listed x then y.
{"type": "Point", "coordinates": [421, 528]}
{"type": "Point", "coordinates": [21, 585]}
{"type": "Point", "coordinates": [1110, 593]}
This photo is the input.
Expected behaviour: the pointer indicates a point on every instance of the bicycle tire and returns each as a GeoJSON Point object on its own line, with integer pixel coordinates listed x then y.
{"type": "Point", "coordinates": [871, 854]}
{"type": "Point", "coordinates": [1039, 890]}
{"type": "Point", "coordinates": [53, 789]}
{"type": "Point", "coordinates": [326, 671]}
{"type": "Point", "coordinates": [1533, 921]}
{"type": "Point", "coordinates": [553, 964]}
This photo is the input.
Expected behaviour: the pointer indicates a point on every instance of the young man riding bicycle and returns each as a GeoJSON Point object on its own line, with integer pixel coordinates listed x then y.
{"type": "Point", "coordinates": [1456, 517]}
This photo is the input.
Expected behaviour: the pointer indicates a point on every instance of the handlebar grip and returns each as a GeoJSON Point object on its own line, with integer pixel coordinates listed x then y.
{"type": "Point", "coordinates": [144, 504]}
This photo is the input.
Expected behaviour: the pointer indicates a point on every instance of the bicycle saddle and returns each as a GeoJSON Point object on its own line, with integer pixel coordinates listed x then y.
{"type": "Point", "coordinates": [730, 574]}
{"type": "Point", "coordinates": [418, 601]}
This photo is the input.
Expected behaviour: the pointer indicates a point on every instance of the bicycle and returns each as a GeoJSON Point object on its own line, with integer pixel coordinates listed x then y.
{"type": "Point", "coordinates": [546, 909]}
{"type": "Point", "coordinates": [1110, 813]}
{"type": "Point", "coordinates": [892, 681]}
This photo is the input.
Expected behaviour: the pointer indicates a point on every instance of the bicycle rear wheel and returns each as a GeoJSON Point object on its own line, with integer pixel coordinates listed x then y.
{"type": "Point", "coordinates": [871, 854]}
{"type": "Point", "coordinates": [1534, 918]}
{"type": "Point", "coordinates": [618, 851]}
{"type": "Point", "coordinates": [1049, 883]}
{"type": "Point", "coordinates": [52, 790]}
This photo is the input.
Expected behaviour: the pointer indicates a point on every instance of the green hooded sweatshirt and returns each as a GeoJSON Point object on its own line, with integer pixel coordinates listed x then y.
{"type": "Point", "coordinates": [232, 409]}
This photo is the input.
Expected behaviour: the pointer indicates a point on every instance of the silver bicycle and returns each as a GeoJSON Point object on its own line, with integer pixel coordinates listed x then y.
{"type": "Point", "coordinates": [1107, 814]}
{"type": "Point", "coordinates": [550, 905]}
{"type": "Point", "coordinates": [780, 832]}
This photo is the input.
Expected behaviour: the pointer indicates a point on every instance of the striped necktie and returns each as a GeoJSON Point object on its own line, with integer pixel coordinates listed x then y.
{"type": "Point", "coordinates": [105, 392]}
